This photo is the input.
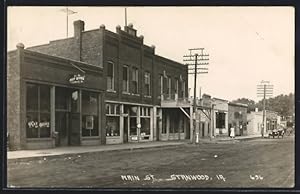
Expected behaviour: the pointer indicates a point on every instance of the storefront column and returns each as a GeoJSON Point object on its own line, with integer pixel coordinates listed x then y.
{"type": "Point", "coordinates": [122, 123]}
{"type": "Point", "coordinates": [80, 114]}
{"type": "Point", "coordinates": [226, 122]}
{"type": "Point", "coordinates": [168, 126]}
{"type": "Point", "coordinates": [214, 127]}
{"type": "Point", "coordinates": [160, 111]}
{"type": "Point", "coordinates": [152, 123]}
{"type": "Point", "coordinates": [191, 125]}
{"type": "Point", "coordinates": [138, 121]}
{"type": "Point", "coordinates": [52, 112]}
{"type": "Point", "coordinates": [154, 116]}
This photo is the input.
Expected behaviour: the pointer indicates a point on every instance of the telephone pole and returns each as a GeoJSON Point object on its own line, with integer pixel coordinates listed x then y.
{"type": "Point", "coordinates": [195, 64]}
{"type": "Point", "coordinates": [264, 90]}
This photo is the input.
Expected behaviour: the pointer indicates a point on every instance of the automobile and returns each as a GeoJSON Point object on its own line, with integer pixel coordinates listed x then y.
{"type": "Point", "coordinates": [276, 133]}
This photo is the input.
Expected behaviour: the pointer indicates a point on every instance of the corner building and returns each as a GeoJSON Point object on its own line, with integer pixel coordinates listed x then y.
{"type": "Point", "coordinates": [97, 87]}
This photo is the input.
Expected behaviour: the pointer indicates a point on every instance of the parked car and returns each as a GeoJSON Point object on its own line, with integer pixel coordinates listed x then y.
{"type": "Point", "coordinates": [276, 133]}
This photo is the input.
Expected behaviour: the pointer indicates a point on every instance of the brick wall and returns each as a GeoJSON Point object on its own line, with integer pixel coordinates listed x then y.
{"type": "Point", "coordinates": [13, 99]}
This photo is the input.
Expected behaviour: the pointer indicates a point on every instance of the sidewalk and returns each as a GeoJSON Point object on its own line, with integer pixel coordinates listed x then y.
{"type": "Point", "coordinates": [101, 148]}
{"type": "Point", "coordinates": [247, 137]}
{"type": "Point", "coordinates": [86, 149]}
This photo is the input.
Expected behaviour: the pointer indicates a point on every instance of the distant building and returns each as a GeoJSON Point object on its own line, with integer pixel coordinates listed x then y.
{"type": "Point", "coordinates": [254, 123]}
{"type": "Point", "coordinates": [237, 118]}
{"type": "Point", "coordinates": [220, 116]}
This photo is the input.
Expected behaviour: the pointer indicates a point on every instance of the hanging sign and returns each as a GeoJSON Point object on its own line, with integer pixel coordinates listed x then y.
{"type": "Point", "coordinates": [77, 79]}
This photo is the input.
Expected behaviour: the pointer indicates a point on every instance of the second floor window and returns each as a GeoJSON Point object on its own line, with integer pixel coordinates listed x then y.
{"type": "Point", "coordinates": [135, 80]}
{"type": "Point", "coordinates": [110, 76]}
{"type": "Point", "coordinates": [169, 86]}
{"type": "Point", "coordinates": [125, 79]}
{"type": "Point", "coordinates": [147, 84]}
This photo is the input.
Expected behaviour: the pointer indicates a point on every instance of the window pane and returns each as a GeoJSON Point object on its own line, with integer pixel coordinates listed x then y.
{"type": "Point", "coordinates": [44, 125]}
{"type": "Point", "coordinates": [90, 125]}
{"type": "Point", "coordinates": [133, 111]}
{"type": "Point", "coordinates": [32, 97]}
{"type": "Point", "coordinates": [32, 125]}
{"type": "Point", "coordinates": [45, 98]}
{"type": "Point", "coordinates": [145, 126]}
{"type": "Point", "coordinates": [110, 69]}
{"type": "Point", "coordinates": [133, 130]}
{"type": "Point", "coordinates": [112, 126]}
{"type": "Point", "coordinates": [89, 103]}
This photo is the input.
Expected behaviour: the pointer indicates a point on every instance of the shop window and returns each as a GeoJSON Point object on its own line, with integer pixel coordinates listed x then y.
{"type": "Point", "coordinates": [147, 84]}
{"type": "Point", "coordinates": [110, 76]}
{"type": "Point", "coordinates": [112, 126]}
{"type": "Point", "coordinates": [112, 120]}
{"type": "Point", "coordinates": [145, 128]}
{"type": "Point", "coordinates": [125, 79]}
{"type": "Point", "coordinates": [37, 111]}
{"type": "Point", "coordinates": [220, 120]}
{"type": "Point", "coordinates": [90, 114]}
{"type": "Point", "coordinates": [164, 123]}
{"type": "Point", "coordinates": [135, 80]}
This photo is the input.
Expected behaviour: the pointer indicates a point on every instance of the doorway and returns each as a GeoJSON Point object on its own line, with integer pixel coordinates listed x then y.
{"type": "Point", "coordinates": [67, 117]}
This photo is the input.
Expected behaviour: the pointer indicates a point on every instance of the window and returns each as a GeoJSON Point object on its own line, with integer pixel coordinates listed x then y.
{"type": "Point", "coordinates": [135, 80]}
{"type": "Point", "coordinates": [176, 86]}
{"type": "Point", "coordinates": [125, 79]}
{"type": "Point", "coordinates": [110, 76]}
{"type": "Point", "coordinates": [169, 87]}
{"type": "Point", "coordinates": [37, 111]}
{"type": "Point", "coordinates": [112, 120]}
{"type": "Point", "coordinates": [90, 114]}
{"type": "Point", "coordinates": [161, 84]}
{"type": "Point", "coordinates": [183, 89]}
{"type": "Point", "coordinates": [147, 84]}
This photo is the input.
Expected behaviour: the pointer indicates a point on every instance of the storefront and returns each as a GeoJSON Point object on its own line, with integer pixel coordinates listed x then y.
{"type": "Point", "coordinates": [128, 123]}
{"type": "Point", "coordinates": [57, 104]}
{"type": "Point", "coordinates": [174, 124]}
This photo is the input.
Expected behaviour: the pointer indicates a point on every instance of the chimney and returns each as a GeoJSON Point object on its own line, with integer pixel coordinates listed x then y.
{"type": "Point", "coordinates": [78, 27]}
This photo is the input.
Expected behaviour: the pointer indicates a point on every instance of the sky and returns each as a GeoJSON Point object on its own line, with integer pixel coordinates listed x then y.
{"type": "Point", "coordinates": [245, 44]}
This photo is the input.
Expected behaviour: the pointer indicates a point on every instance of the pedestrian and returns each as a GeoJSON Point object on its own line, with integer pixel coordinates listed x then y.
{"type": "Point", "coordinates": [232, 135]}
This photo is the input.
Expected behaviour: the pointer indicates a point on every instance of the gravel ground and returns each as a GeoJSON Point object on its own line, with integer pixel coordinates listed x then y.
{"type": "Point", "coordinates": [257, 163]}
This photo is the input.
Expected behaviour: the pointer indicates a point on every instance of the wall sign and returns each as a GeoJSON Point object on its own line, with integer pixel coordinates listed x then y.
{"type": "Point", "coordinates": [77, 79]}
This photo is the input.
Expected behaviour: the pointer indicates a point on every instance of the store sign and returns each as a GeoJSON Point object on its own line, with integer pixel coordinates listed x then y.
{"type": "Point", "coordinates": [35, 124]}
{"type": "Point", "coordinates": [77, 79]}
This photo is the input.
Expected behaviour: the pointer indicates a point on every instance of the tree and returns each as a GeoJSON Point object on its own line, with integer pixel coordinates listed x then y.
{"type": "Point", "coordinates": [249, 102]}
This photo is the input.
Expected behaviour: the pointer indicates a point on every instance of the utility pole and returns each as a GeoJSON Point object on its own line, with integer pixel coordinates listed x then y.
{"type": "Point", "coordinates": [264, 90]}
{"type": "Point", "coordinates": [125, 16]}
{"type": "Point", "coordinates": [194, 58]}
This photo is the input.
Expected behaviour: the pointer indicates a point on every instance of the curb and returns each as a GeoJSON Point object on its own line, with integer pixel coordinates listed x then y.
{"type": "Point", "coordinates": [31, 158]}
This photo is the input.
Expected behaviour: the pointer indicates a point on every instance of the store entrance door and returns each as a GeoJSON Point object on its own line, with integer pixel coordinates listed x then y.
{"type": "Point", "coordinates": [62, 127]}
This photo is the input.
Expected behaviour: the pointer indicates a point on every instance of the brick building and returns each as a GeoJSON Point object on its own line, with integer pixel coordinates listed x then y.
{"type": "Point", "coordinates": [97, 87]}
